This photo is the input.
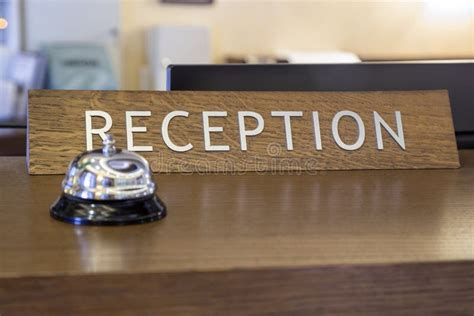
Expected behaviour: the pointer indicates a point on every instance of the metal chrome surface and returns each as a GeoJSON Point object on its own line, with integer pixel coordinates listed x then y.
{"type": "Point", "coordinates": [109, 174]}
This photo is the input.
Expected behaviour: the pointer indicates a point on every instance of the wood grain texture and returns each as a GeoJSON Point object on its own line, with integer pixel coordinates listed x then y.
{"type": "Point", "coordinates": [392, 242]}
{"type": "Point", "coordinates": [248, 221]}
{"type": "Point", "coordinates": [57, 129]}
{"type": "Point", "coordinates": [368, 290]}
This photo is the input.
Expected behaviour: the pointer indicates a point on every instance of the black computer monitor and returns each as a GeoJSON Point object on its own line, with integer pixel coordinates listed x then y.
{"type": "Point", "coordinates": [455, 76]}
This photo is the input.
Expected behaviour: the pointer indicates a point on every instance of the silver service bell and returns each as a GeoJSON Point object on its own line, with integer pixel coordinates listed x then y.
{"type": "Point", "coordinates": [108, 186]}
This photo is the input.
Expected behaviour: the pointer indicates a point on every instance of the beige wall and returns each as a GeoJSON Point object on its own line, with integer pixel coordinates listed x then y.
{"type": "Point", "coordinates": [372, 29]}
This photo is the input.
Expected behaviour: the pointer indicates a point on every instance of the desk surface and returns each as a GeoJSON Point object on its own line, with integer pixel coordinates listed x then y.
{"type": "Point", "coordinates": [244, 234]}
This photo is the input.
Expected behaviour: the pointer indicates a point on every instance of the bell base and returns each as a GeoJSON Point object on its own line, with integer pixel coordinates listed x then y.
{"type": "Point", "coordinates": [107, 213]}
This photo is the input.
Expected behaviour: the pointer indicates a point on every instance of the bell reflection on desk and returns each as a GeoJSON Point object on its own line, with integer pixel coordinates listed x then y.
{"type": "Point", "coordinates": [109, 186]}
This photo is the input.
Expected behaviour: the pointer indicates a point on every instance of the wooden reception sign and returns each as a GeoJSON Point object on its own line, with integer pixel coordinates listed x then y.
{"type": "Point", "coordinates": [246, 131]}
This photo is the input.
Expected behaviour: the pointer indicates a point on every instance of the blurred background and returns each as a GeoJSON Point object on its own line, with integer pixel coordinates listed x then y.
{"type": "Point", "coordinates": [127, 44]}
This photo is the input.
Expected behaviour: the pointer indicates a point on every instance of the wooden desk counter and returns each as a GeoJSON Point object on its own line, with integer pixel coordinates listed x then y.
{"type": "Point", "coordinates": [339, 242]}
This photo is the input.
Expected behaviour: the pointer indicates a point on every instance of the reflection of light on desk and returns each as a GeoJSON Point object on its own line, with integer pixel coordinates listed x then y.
{"type": "Point", "coordinates": [3, 23]}
{"type": "Point", "coordinates": [98, 253]}
{"type": "Point", "coordinates": [456, 235]}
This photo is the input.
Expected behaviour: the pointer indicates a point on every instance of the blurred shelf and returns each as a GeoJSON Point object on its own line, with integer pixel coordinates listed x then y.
{"type": "Point", "coordinates": [12, 141]}
{"type": "Point", "coordinates": [12, 124]}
